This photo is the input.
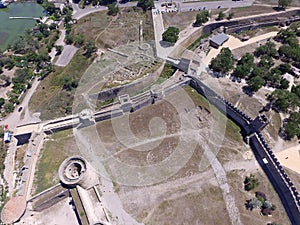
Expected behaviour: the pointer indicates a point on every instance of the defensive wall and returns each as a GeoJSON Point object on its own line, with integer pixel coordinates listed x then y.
{"type": "Point", "coordinates": [237, 25]}
{"type": "Point", "coordinates": [48, 198]}
{"type": "Point", "coordinates": [285, 188]}
{"type": "Point", "coordinates": [251, 129]}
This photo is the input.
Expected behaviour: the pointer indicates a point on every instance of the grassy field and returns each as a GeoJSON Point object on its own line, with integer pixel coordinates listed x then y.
{"type": "Point", "coordinates": [50, 99]}
{"type": "Point", "coordinates": [59, 146]}
{"type": "Point", "coordinates": [233, 131]}
{"type": "Point", "coordinates": [109, 32]}
{"type": "Point", "coordinates": [236, 178]}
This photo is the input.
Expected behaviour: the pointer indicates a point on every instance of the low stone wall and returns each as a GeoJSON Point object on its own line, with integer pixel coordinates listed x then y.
{"type": "Point", "coordinates": [49, 197]}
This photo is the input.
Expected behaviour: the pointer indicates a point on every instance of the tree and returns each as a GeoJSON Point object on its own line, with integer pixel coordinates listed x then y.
{"type": "Point", "coordinates": [284, 84]}
{"type": "Point", "coordinates": [171, 35]}
{"type": "Point", "coordinates": [253, 203]}
{"type": "Point", "coordinates": [251, 182]}
{"type": "Point", "coordinates": [9, 107]}
{"type": "Point", "coordinates": [78, 40]}
{"type": "Point", "coordinates": [113, 10]}
{"type": "Point", "coordinates": [230, 16]}
{"type": "Point", "coordinates": [2, 102]}
{"type": "Point", "coordinates": [201, 17]}
{"type": "Point", "coordinates": [296, 90]}
{"type": "Point", "coordinates": [223, 62]}
{"type": "Point", "coordinates": [221, 16]}
{"type": "Point", "coordinates": [89, 48]}
{"type": "Point", "coordinates": [69, 83]}
{"type": "Point", "coordinates": [49, 7]}
{"type": "Point", "coordinates": [285, 99]}
{"type": "Point", "coordinates": [255, 83]}
{"type": "Point", "coordinates": [284, 68]}
{"type": "Point", "coordinates": [58, 49]}
{"type": "Point", "coordinates": [52, 26]}
{"type": "Point", "coordinates": [267, 49]}
{"type": "Point", "coordinates": [284, 3]}
{"type": "Point", "coordinates": [292, 128]}
{"type": "Point", "coordinates": [146, 4]}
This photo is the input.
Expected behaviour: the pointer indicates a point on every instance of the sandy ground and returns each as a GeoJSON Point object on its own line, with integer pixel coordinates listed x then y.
{"type": "Point", "coordinates": [234, 43]}
{"type": "Point", "coordinates": [290, 158]}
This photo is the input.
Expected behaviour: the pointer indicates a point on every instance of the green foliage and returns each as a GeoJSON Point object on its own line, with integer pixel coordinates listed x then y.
{"type": "Point", "coordinates": [285, 99]}
{"type": "Point", "coordinates": [9, 107]}
{"type": "Point", "coordinates": [244, 66]}
{"type": "Point", "coordinates": [255, 83]}
{"type": "Point", "coordinates": [267, 49]}
{"type": "Point", "coordinates": [78, 40]}
{"type": "Point", "coordinates": [49, 7]}
{"type": "Point", "coordinates": [69, 39]}
{"type": "Point", "coordinates": [168, 71]}
{"type": "Point", "coordinates": [284, 83]}
{"type": "Point", "coordinates": [69, 83]}
{"type": "Point", "coordinates": [89, 48]}
{"type": "Point", "coordinates": [266, 61]}
{"type": "Point", "coordinates": [284, 68]}
{"type": "Point", "coordinates": [2, 102]}
{"type": "Point", "coordinates": [223, 62]}
{"type": "Point", "coordinates": [284, 3]}
{"type": "Point", "coordinates": [253, 203]}
{"type": "Point", "coordinates": [171, 35]}
{"type": "Point", "coordinates": [113, 10]}
{"type": "Point", "coordinates": [296, 90]}
{"type": "Point", "coordinates": [221, 16]}
{"type": "Point", "coordinates": [201, 17]}
{"type": "Point", "coordinates": [146, 4]}
{"type": "Point", "coordinates": [251, 182]}
{"type": "Point", "coordinates": [3, 151]}
{"type": "Point", "coordinates": [292, 128]}
{"type": "Point", "coordinates": [58, 49]}
{"type": "Point", "coordinates": [230, 16]}
{"type": "Point", "coordinates": [52, 26]}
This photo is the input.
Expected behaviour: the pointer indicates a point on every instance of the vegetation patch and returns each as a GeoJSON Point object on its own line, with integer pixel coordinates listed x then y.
{"type": "Point", "coordinates": [59, 146]}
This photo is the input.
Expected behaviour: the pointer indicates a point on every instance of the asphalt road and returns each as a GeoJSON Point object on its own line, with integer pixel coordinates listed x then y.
{"type": "Point", "coordinates": [192, 6]}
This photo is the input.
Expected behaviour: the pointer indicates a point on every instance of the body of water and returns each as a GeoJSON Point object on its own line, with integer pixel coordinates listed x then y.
{"type": "Point", "coordinates": [10, 29]}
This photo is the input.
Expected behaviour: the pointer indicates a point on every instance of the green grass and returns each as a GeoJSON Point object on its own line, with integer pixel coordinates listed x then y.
{"type": "Point", "coordinates": [49, 98]}
{"type": "Point", "coordinates": [196, 43]}
{"type": "Point", "coordinates": [167, 71]}
{"type": "Point", "coordinates": [52, 154]}
{"type": "Point", "coordinates": [233, 131]}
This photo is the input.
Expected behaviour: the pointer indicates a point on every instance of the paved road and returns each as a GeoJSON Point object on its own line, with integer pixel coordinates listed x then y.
{"type": "Point", "coordinates": [15, 119]}
{"type": "Point", "coordinates": [66, 55]}
{"type": "Point", "coordinates": [212, 5]}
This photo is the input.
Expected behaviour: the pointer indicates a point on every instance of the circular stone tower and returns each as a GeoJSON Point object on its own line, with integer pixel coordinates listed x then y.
{"type": "Point", "coordinates": [75, 170]}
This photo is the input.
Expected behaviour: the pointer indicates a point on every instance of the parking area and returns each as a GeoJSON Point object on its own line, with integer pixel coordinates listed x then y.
{"type": "Point", "coordinates": [165, 7]}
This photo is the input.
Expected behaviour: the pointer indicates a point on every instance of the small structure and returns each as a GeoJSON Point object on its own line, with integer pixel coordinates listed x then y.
{"type": "Point", "coordinates": [126, 104]}
{"type": "Point", "coordinates": [86, 118]}
{"type": "Point", "coordinates": [217, 40]}
{"type": "Point", "coordinates": [7, 137]}
{"type": "Point", "coordinates": [76, 170]}
{"type": "Point", "coordinates": [260, 122]}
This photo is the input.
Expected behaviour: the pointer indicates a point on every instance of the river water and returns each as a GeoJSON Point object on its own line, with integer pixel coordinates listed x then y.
{"type": "Point", "coordinates": [12, 28]}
